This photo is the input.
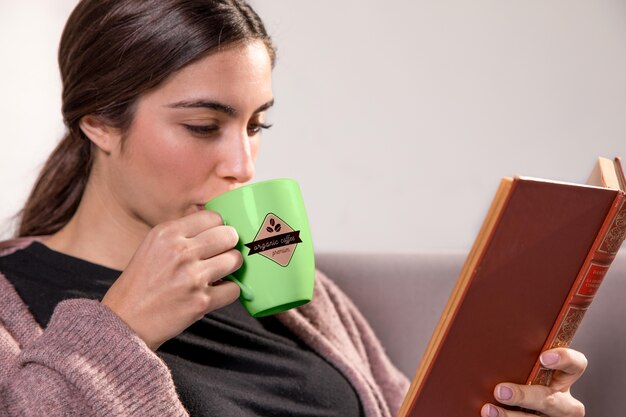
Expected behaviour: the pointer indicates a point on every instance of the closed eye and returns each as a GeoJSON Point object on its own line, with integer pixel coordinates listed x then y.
{"type": "Point", "coordinates": [202, 130]}
{"type": "Point", "coordinates": [255, 128]}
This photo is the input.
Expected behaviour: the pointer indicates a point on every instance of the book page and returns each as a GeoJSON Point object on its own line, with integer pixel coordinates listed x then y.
{"type": "Point", "coordinates": [604, 174]}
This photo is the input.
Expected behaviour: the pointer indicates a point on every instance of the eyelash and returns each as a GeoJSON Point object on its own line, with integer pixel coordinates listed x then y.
{"type": "Point", "coordinates": [207, 130]}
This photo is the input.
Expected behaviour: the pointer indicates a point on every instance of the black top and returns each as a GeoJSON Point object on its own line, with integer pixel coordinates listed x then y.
{"type": "Point", "coordinates": [226, 364]}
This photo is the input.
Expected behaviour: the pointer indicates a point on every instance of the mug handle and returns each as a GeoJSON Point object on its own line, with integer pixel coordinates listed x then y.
{"type": "Point", "coordinates": [246, 292]}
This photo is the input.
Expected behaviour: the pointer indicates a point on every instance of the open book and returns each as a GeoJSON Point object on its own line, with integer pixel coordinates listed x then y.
{"type": "Point", "coordinates": [533, 271]}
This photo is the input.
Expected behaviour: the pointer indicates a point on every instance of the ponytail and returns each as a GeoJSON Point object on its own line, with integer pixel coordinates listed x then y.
{"type": "Point", "coordinates": [59, 188]}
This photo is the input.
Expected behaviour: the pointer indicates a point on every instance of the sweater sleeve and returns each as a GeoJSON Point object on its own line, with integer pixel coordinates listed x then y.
{"type": "Point", "coordinates": [88, 362]}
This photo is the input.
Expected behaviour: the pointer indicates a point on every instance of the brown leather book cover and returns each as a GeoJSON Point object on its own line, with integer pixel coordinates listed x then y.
{"type": "Point", "coordinates": [583, 291]}
{"type": "Point", "coordinates": [524, 270]}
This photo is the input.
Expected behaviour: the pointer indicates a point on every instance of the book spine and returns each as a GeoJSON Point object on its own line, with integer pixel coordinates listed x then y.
{"type": "Point", "coordinates": [595, 267]}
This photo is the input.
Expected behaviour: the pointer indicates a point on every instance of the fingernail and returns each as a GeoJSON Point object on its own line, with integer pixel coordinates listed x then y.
{"type": "Point", "coordinates": [549, 358]}
{"type": "Point", "coordinates": [504, 393]}
{"type": "Point", "coordinates": [492, 411]}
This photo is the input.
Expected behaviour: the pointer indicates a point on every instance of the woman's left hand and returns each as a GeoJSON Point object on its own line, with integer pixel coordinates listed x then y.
{"type": "Point", "coordinates": [554, 400]}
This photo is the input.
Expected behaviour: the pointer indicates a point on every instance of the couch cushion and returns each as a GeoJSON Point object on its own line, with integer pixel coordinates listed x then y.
{"type": "Point", "coordinates": [403, 295]}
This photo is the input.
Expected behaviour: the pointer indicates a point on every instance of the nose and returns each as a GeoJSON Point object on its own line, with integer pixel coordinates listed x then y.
{"type": "Point", "coordinates": [237, 159]}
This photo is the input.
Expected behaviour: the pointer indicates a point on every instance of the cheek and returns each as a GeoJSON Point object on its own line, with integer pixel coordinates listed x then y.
{"type": "Point", "coordinates": [165, 163]}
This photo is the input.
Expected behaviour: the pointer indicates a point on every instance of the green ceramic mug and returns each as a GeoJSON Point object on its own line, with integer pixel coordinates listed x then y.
{"type": "Point", "coordinates": [278, 271]}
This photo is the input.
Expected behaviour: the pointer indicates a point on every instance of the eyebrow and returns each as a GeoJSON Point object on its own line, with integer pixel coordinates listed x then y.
{"type": "Point", "coordinates": [215, 105]}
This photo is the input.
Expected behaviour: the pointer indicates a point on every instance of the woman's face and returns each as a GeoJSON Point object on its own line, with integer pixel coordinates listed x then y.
{"type": "Point", "coordinates": [194, 137]}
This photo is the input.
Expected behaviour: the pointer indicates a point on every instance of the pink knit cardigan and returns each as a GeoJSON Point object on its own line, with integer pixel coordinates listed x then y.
{"type": "Point", "coordinates": [87, 362]}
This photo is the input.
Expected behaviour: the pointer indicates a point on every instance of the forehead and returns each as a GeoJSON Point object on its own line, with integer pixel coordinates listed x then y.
{"type": "Point", "coordinates": [240, 75]}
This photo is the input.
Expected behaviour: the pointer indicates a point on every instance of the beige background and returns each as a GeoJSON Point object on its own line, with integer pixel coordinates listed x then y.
{"type": "Point", "coordinates": [398, 118]}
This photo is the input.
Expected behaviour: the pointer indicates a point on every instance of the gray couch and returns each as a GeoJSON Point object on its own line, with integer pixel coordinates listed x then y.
{"type": "Point", "coordinates": [403, 295]}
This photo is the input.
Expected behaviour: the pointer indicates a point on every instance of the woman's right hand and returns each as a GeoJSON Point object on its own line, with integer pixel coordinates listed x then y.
{"type": "Point", "coordinates": [173, 279]}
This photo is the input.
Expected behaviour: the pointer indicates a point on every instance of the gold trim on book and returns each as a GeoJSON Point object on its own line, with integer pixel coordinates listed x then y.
{"type": "Point", "coordinates": [568, 327]}
{"type": "Point", "coordinates": [616, 234]}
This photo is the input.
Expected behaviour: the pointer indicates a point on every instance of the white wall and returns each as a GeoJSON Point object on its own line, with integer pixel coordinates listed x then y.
{"type": "Point", "coordinates": [398, 118]}
{"type": "Point", "coordinates": [30, 95]}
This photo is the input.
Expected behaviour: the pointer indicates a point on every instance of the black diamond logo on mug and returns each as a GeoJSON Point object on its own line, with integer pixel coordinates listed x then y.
{"type": "Point", "coordinates": [275, 240]}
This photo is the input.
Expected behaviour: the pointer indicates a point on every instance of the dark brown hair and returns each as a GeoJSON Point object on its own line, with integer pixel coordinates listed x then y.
{"type": "Point", "coordinates": [111, 52]}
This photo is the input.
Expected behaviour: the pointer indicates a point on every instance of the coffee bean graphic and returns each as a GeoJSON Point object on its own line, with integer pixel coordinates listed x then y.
{"type": "Point", "coordinates": [274, 226]}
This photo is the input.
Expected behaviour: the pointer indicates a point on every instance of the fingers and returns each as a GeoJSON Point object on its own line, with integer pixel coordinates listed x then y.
{"type": "Point", "coordinates": [207, 235]}
{"type": "Point", "coordinates": [201, 235]}
{"type": "Point", "coordinates": [202, 245]}
{"type": "Point", "coordinates": [222, 294]}
{"type": "Point", "coordinates": [196, 223]}
{"type": "Point", "coordinates": [490, 410]}
{"type": "Point", "coordinates": [220, 266]}
{"type": "Point", "coordinates": [212, 242]}
{"type": "Point", "coordinates": [553, 400]}
{"type": "Point", "coordinates": [569, 365]}
{"type": "Point", "coordinates": [546, 400]}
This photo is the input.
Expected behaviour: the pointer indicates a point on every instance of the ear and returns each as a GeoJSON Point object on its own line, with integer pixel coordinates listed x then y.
{"type": "Point", "coordinates": [104, 136]}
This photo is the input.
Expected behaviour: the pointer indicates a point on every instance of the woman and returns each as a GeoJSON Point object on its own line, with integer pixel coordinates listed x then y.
{"type": "Point", "coordinates": [164, 103]}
